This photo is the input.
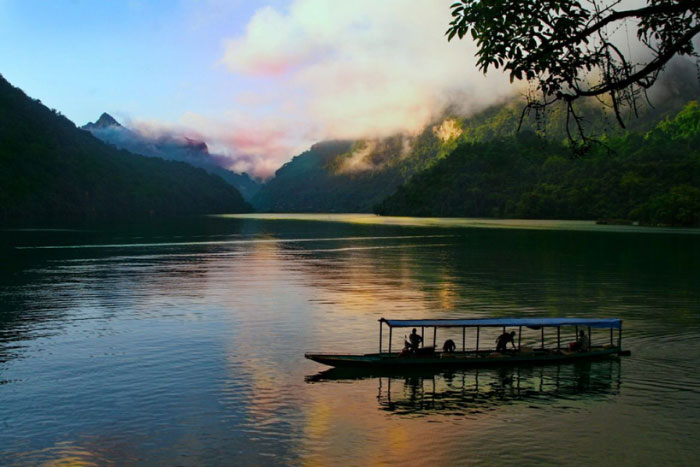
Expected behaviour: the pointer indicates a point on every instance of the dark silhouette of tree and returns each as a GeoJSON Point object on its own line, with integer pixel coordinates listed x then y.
{"type": "Point", "coordinates": [53, 172]}
{"type": "Point", "coordinates": [571, 49]}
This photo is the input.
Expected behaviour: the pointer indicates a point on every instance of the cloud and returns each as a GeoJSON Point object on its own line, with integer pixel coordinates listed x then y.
{"type": "Point", "coordinates": [319, 69]}
{"type": "Point", "coordinates": [258, 146]}
{"type": "Point", "coordinates": [270, 46]}
{"type": "Point", "coordinates": [348, 70]}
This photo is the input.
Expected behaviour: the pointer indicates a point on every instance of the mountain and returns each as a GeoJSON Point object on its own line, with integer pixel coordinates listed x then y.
{"type": "Point", "coordinates": [350, 176]}
{"type": "Point", "coordinates": [651, 177]}
{"type": "Point", "coordinates": [358, 175]}
{"type": "Point", "coordinates": [306, 184]}
{"type": "Point", "coordinates": [171, 147]}
{"type": "Point", "coordinates": [52, 171]}
{"type": "Point", "coordinates": [105, 121]}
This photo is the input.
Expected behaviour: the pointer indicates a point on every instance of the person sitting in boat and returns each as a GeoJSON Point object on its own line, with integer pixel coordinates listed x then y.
{"type": "Point", "coordinates": [449, 346]}
{"type": "Point", "coordinates": [582, 343]}
{"type": "Point", "coordinates": [503, 340]}
{"type": "Point", "coordinates": [414, 340]}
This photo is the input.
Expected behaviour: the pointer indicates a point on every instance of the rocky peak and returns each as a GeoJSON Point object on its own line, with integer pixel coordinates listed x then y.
{"type": "Point", "coordinates": [105, 121]}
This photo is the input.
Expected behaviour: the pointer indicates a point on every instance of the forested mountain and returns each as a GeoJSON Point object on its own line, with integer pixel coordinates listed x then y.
{"type": "Point", "coordinates": [352, 176]}
{"type": "Point", "coordinates": [649, 177]}
{"type": "Point", "coordinates": [483, 166]}
{"type": "Point", "coordinates": [172, 147]}
{"type": "Point", "coordinates": [346, 176]}
{"type": "Point", "coordinates": [50, 170]}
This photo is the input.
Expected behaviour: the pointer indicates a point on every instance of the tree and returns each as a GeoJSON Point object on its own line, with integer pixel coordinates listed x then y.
{"type": "Point", "coordinates": [571, 49]}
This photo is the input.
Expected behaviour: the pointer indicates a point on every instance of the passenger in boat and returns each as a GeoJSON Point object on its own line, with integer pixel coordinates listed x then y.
{"type": "Point", "coordinates": [503, 340]}
{"type": "Point", "coordinates": [582, 342]}
{"type": "Point", "coordinates": [415, 340]}
{"type": "Point", "coordinates": [449, 346]}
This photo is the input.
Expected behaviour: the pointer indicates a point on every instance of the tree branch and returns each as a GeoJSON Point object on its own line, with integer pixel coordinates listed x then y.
{"type": "Point", "coordinates": [679, 7]}
{"type": "Point", "coordinates": [651, 67]}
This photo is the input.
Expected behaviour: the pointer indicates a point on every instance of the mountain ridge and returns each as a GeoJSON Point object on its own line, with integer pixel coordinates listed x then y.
{"type": "Point", "coordinates": [364, 174]}
{"type": "Point", "coordinates": [168, 146]}
{"type": "Point", "coordinates": [54, 172]}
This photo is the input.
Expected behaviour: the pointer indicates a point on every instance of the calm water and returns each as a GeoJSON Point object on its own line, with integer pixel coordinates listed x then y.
{"type": "Point", "coordinates": [183, 343]}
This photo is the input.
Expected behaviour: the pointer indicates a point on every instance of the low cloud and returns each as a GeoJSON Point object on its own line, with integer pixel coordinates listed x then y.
{"type": "Point", "coordinates": [364, 69]}
{"type": "Point", "coordinates": [350, 70]}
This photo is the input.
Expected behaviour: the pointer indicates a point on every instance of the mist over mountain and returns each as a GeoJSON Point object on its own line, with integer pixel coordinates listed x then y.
{"type": "Point", "coordinates": [171, 146]}
{"type": "Point", "coordinates": [482, 165]}
{"type": "Point", "coordinates": [350, 176]}
{"type": "Point", "coordinates": [650, 177]}
{"type": "Point", "coordinates": [51, 171]}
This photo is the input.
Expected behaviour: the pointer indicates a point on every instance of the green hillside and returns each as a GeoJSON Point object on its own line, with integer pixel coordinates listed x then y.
{"type": "Point", "coordinates": [50, 171]}
{"type": "Point", "coordinates": [649, 177]}
{"type": "Point", "coordinates": [357, 176]}
{"type": "Point", "coordinates": [309, 183]}
{"type": "Point", "coordinates": [349, 176]}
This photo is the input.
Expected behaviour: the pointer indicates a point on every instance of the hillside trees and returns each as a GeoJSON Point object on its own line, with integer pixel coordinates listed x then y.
{"type": "Point", "coordinates": [651, 177]}
{"type": "Point", "coordinates": [568, 50]}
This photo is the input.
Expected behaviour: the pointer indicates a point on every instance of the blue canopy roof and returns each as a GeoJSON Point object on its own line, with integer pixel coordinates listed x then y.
{"type": "Point", "coordinates": [606, 323]}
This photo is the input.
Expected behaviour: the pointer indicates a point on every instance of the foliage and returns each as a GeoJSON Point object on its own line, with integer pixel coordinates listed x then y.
{"type": "Point", "coordinates": [568, 51]}
{"type": "Point", "coordinates": [170, 147]}
{"type": "Point", "coordinates": [319, 179]}
{"type": "Point", "coordinates": [651, 178]}
{"type": "Point", "coordinates": [52, 171]}
{"type": "Point", "coordinates": [330, 177]}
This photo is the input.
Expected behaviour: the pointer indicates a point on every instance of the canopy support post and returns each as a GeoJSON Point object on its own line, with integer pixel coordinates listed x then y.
{"type": "Point", "coordinates": [380, 337]}
{"type": "Point", "coordinates": [477, 339]}
{"type": "Point", "coordinates": [611, 336]}
{"type": "Point", "coordinates": [464, 338]}
{"type": "Point", "coordinates": [435, 337]}
{"type": "Point", "coordinates": [558, 338]}
{"type": "Point", "coordinates": [619, 338]}
{"type": "Point", "coordinates": [422, 336]}
{"type": "Point", "coordinates": [542, 333]}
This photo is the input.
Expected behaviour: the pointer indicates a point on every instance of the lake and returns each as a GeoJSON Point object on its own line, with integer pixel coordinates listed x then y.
{"type": "Point", "coordinates": [183, 342]}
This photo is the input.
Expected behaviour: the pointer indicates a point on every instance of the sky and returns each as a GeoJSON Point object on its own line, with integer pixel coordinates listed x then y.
{"type": "Point", "coordinates": [259, 81]}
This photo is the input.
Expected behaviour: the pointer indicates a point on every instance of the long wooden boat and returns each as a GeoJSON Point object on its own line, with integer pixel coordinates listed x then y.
{"type": "Point", "coordinates": [428, 357]}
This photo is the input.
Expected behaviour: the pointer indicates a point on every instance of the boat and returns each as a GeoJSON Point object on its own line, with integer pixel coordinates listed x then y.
{"type": "Point", "coordinates": [423, 357]}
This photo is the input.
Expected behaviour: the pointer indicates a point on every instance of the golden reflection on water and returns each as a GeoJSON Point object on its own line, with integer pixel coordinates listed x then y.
{"type": "Point", "coordinates": [432, 418]}
{"type": "Point", "coordinates": [205, 354]}
{"type": "Point", "coordinates": [73, 454]}
{"type": "Point", "coordinates": [333, 428]}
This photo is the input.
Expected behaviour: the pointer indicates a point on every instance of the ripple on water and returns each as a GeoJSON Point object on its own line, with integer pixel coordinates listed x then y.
{"type": "Point", "coordinates": [181, 348]}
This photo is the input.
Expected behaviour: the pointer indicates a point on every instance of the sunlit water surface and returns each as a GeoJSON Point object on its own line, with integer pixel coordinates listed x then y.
{"type": "Point", "coordinates": [182, 343]}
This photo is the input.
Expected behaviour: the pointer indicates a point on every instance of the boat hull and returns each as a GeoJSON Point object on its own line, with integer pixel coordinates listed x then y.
{"type": "Point", "coordinates": [456, 360]}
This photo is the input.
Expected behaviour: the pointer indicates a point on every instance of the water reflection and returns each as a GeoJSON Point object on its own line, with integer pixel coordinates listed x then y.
{"type": "Point", "coordinates": [184, 344]}
{"type": "Point", "coordinates": [474, 391]}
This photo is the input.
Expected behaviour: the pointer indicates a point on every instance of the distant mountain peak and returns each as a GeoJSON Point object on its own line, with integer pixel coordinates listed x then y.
{"type": "Point", "coordinates": [105, 121]}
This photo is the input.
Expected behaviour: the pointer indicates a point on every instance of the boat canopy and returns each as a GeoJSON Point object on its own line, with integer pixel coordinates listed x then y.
{"type": "Point", "coordinates": [605, 323]}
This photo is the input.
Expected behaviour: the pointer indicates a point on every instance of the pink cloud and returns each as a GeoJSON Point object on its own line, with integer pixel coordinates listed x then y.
{"type": "Point", "coordinates": [341, 70]}
{"type": "Point", "coordinates": [362, 69]}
